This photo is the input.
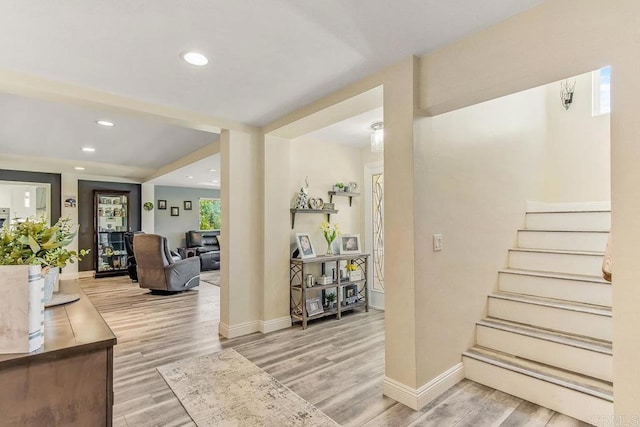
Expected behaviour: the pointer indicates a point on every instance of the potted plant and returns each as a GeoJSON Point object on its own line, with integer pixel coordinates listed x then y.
{"type": "Point", "coordinates": [331, 300]}
{"type": "Point", "coordinates": [338, 187]}
{"type": "Point", "coordinates": [25, 247]}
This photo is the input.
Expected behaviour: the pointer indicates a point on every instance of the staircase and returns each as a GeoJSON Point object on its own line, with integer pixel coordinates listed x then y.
{"type": "Point", "coordinates": [547, 337]}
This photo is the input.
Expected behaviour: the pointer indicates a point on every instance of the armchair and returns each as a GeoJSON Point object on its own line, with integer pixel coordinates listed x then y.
{"type": "Point", "coordinates": [207, 247]}
{"type": "Point", "coordinates": [131, 259]}
{"type": "Point", "coordinates": [159, 270]}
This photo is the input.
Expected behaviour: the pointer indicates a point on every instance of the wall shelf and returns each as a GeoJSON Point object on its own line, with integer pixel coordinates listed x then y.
{"type": "Point", "coordinates": [342, 194]}
{"type": "Point", "coordinates": [327, 212]}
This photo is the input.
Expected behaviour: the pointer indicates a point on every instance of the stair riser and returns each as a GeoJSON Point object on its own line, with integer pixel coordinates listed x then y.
{"type": "Point", "coordinates": [550, 287]}
{"type": "Point", "coordinates": [590, 265]}
{"type": "Point", "coordinates": [569, 221]}
{"type": "Point", "coordinates": [570, 402]}
{"type": "Point", "coordinates": [586, 362]}
{"type": "Point", "coordinates": [566, 241]}
{"type": "Point", "coordinates": [575, 322]}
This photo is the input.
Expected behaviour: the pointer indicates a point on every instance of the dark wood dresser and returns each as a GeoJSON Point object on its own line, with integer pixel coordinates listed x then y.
{"type": "Point", "coordinates": [69, 381]}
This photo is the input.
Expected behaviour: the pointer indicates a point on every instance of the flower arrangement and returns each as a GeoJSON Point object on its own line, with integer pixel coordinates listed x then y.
{"type": "Point", "coordinates": [330, 232]}
{"type": "Point", "coordinates": [351, 267]}
{"type": "Point", "coordinates": [34, 242]}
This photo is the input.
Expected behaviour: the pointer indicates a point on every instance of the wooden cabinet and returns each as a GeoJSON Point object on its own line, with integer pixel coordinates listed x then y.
{"type": "Point", "coordinates": [111, 216]}
{"type": "Point", "coordinates": [309, 298]}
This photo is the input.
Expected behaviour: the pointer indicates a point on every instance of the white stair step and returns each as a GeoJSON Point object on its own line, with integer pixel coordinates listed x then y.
{"type": "Point", "coordinates": [573, 318]}
{"type": "Point", "coordinates": [578, 354]}
{"type": "Point", "coordinates": [589, 220]}
{"type": "Point", "coordinates": [577, 396]}
{"type": "Point", "coordinates": [568, 287]}
{"type": "Point", "coordinates": [571, 262]}
{"type": "Point", "coordinates": [567, 240]}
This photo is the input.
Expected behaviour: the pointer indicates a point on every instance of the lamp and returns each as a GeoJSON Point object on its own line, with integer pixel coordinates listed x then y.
{"type": "Point", "coordinates": [566, 93]}
{"type": "Point", "coordinates": [377, 137]}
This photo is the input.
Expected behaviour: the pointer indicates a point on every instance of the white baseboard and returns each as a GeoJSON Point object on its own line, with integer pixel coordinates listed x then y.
{"type": "Point", "coordinates": [69, 276]}
{"type": "Point", "coordinates": [376, 307]}
{"type": "Point", "coordinates": [568, 207]}
{"type": "Point", "coordinates": [417, 399]}
{"type": "Point", "coordinates": [272, 325]}
{"type": "Point", "coordinates": [239, 329]}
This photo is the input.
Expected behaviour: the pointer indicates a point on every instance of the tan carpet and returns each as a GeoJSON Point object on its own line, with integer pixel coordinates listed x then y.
{"type": "Point", "coordinates": [212, 277]}
{"type": "Point", "coordinates": [226, 389]}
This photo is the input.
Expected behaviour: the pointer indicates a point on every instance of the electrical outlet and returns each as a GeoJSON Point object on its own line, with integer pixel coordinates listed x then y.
{"type": "Point", "coordinates": [437, 242]}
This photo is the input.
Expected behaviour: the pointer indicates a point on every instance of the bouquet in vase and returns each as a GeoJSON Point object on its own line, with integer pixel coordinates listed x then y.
{"type": "Point", "coordinates": [330, 232]}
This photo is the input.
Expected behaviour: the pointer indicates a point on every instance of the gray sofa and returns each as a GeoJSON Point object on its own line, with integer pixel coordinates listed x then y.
{"type": "Point", "coordinates": [159, 270]}
{"type": "Point", "coordinates": [207, 247]}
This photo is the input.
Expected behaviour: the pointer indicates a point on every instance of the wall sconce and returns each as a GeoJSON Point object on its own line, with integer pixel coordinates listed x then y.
{"type": "Point", "coordinates": [377, 137]}
{"type": "Point", "coordinates": [27, 199]}
{"type": "Point", "coordinates": [566, 93]}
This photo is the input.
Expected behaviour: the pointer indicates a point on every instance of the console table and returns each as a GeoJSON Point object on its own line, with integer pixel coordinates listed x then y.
{"type": "Point", "coordinates": [69, 381]}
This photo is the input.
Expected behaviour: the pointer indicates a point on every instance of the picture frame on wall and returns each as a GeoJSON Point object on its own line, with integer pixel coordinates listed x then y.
{"type": "Point", "coordinates": [175, 211]}
{"type": "Point", "coordinates": [349, 244]}
{"type": "Point", "coordinates": [187, 205]}
{"type": "Point", "coordinates": [162, 204]}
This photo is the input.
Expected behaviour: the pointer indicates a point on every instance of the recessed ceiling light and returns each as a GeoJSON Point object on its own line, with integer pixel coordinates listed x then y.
{"type": "Point", "coordinates": [79, 168]}
{"type": "Point", "coordinates": [215, 181]}
{"type": "Point", "coordinates": [105, 123]}
{"type": "Point", "coordinates": [88, 149]}
{"type": "Point", "coordinates": [195, 58]}
{"type": "Point", "coordinates": [212, 170]}
{"type": "Point", "coordinates": [189, 176]}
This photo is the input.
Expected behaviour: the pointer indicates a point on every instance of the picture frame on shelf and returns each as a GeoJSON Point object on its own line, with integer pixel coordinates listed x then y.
{"type": "Point", "coordinates": [187, 205]}
{"type": "Point", "coordinates": [305, 246]}
{"type": "Point", "coordinates": [162, 204]}
{"type": "Point", "coordinates": [349, 244]}
{"type": "Point", "coordinates": [314, 306]}
{"type": "Point", "coordinates": [350, 294]}
{"type": "Point", "coordinates": [175, 211]}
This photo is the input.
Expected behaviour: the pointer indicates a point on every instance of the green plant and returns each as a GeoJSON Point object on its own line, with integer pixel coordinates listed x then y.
{"type": "Point", "coordinates": [340, 185]}
{"type": "Point", "coordinates": [331, 298]}
{"type": "Point", "coordinates": [33, 242]}
{"type": "Point", "coordinates": [329, 231]}
{"type": "Point", "coordinates": [148, 206]}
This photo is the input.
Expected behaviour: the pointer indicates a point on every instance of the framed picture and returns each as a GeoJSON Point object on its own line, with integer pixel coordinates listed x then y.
{"type": "Point", "coordinates": [350, 294]}
{"type": "Point", "coordinates": [162, 204]}
{"type": "Point", "coordinates": [187, 205]}
{"type": "Point", "coordinates": [305, 247]}
{"type": "Point", "coordinates": [314, 306]}
{"type": "Point", "coordinates": [350, 244]}
{"type": "Point", "coordinates": [175, 211]}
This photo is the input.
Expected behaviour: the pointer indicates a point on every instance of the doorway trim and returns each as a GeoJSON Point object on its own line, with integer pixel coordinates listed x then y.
{"type": "Point", "coordinates": [376, 298]}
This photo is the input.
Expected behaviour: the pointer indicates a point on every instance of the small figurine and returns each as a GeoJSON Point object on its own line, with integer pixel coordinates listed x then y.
{"type": "Point", "coordinates": [303, 195]}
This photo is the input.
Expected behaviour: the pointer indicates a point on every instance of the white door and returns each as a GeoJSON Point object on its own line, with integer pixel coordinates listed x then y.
{"type": "Point", "coordinates": [374, 226]}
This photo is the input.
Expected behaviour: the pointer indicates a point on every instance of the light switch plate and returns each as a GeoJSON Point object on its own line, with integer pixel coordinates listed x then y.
{"type": "Point", "coordinates": [437, 242]}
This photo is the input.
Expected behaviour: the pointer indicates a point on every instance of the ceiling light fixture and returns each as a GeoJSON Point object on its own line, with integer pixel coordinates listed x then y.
{"type": "Point", "coordinates": [79, 168]}
{"type": "Point", "coordinates": [88, 149]}
{"type": "Point", "coordinates": [189, 176]}
{"type": "Point", "coordinates": [105, 123]}
{"type": "Point", "coordinates": [377, 137]}
{"type": "Point", "coordinates": [195, 58]}
{"type": "Point", "coordinates": [212, 170]}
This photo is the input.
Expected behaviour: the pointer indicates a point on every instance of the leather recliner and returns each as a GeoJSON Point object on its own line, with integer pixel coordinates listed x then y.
{"type": "Point", "coordinates": [131, 258]}
{"type": "Point", "coordinates": [207, 247]}
{"type": "Point", "coordinates": [159, 270]}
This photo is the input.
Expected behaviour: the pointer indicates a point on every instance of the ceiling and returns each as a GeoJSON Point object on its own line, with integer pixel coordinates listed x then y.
{"type": "Point", "coordinates": [353, 132]}
{"type": "Point", "coordinates": [266, 58]}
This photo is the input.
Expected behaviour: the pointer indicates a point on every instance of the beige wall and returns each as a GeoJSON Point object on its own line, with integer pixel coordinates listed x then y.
{"type": "Point", "coordinates": [577, 166]}
{"type": "Point", "coordinates": [557, 39]}
{"type": "Point", "coordinates": [325, 164]}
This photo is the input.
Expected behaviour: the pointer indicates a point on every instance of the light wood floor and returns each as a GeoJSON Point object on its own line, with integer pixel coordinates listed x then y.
{"type": "Point", "coordinates": [336, 365]}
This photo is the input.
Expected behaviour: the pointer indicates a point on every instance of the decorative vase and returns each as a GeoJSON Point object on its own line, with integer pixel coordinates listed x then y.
{"type": "Point", "coordinates": [329, 248]}
{"type": "Point", "coordinates": [21, 308]}
{"type": "Point", "coordinates": [50, 283]}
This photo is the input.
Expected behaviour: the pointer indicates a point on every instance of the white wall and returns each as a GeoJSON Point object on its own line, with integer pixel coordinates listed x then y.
{"type": "Point", "coordinates": [12, 196]}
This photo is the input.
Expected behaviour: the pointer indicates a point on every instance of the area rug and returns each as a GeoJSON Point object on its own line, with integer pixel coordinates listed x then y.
{"type": "Point", "coordinates": [226, 389]}
{"type": "Point", "coordinates": [211, 277]}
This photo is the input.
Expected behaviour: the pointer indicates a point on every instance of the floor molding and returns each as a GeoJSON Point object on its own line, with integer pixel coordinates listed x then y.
{"type": "Point", "coordinates": [85, 274]}
{"type": "Point", "coordinates": [272, 325]}
{"type": "Point", "coordinates": [238, 330]}
{"type": "Point", "coordinates": [419, 398]}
